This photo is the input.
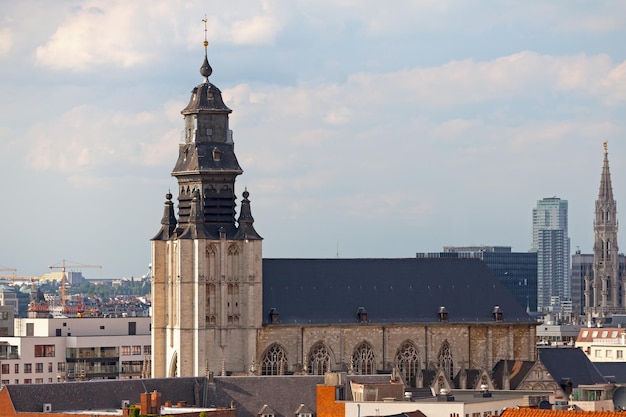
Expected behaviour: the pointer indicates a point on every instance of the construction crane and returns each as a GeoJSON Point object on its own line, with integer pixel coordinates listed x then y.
{"type": "Point", "coordinates": [24, 278]}
{"type": "Point", "coordinates": [62, 267]}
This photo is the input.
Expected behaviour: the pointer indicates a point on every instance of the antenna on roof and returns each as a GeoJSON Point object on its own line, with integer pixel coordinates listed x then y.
{"type": "Point", "coordinates": [337, 249]}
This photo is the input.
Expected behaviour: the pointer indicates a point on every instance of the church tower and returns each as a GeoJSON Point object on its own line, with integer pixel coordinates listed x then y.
{"type": "Point", "coordinates": [207, 265]}
{"type": "Point", "coordinates": [606, 284]}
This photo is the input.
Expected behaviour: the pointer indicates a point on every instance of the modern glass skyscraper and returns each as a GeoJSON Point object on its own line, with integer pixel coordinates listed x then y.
{"type": "Point", "coordinates": [552, 244]}
{"type": "Point", "coordinates": [516, 270]}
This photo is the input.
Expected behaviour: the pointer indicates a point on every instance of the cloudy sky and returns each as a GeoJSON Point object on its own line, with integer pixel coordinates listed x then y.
{"type": "Point", "coordinates": [365, 128]}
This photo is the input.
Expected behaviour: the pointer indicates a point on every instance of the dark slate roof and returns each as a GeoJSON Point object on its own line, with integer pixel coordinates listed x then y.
{"type": "Point", "coordinates": [102, 394]}
{"type": "Point", "coordinates": [517, 372]}
{"type": "Point", "coordinates": [567, 363]}
{"type": "Point", "coordinates": [411, 290]}
{"type": "Point", "coordinates": [283, 394]}
{"type": "Point", "coordinates": [194, 157]}
{"type": "Point", "coordinates": [613, 371]}
{"type": "Point", "coordinates": [472, 377]}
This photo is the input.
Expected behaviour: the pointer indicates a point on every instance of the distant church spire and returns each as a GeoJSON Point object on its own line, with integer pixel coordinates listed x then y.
{"type": "Point", "coordinates": [606, 279]}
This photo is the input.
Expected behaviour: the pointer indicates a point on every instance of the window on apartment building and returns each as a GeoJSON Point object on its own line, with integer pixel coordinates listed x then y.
{"type": "Point", "coordinates": [132, 328]}
{"type": "Point", "coordinates": [60, 366]}
{"type": "Point", "coordinates": [5, 382]}
{"type": "Point", "coordinates": [39, 368]}
{"type": "Point", "coordinates": [58, 332]}
{"type": "Point", "coordinates": [147, 350]}
{"type": "Point", "coordinates": [28, 368]}
{"type": "Point", "coordinates": [44, 351]}
{"type": "Point", "coordinates": [50, 368]}
{"type": "Point", "coordinates": [597, 353]}
{"type": "Point", "coordinates": [49, 379]}
{"type": "Point", "coordinates": [17, 368]}
{"type": "Point", "coordinates": [136, 350]}
{"type": "Point", "coordinates": [101, 327]}
{"type": "Point", "coordinates": [38, 380]}
{"type": "Point", "coordinates": [4, 315]}
{"type": "Point", "coordinates": [28, 381]}
{"type": "Point", "coordinates": [125, 351]}
{"type": "Point", "coordinates": [620, 354]}
{"type": "Point", "coordinates": [5, 369]}
{"type": "Point", "coordinates": [609, 353]}
{"type": "Point", "coordinates": [17, 381]}
{"type": "Point", "coordinates": [30, 329]}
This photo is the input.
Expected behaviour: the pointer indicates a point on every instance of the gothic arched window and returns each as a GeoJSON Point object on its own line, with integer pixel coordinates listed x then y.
{"type": "Point", "coordinates": [445, 360]}
{"type": "Point", "coordinates": [408, 362]}
{"type": "Point", "coordinates": [363, 359]}
{"type": "Point", "coordinates": [210, 304]}
{"type": "Point", "coordinates": [274, 360]}
{"type": "Point", "coordinates": [319, 359]}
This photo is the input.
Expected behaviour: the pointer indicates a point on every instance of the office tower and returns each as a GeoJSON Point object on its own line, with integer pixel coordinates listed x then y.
{"type": "Point", "coordinates": [551, 242]}
{"type": "Point", "coordinates": [516, 270]}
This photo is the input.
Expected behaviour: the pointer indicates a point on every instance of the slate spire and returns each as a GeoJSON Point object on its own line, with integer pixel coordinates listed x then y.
{"type": "Point", "coordinates": [246, 221]}
{"type": "Point", "coordinates": [168, 222]}
{"type": "Point", "coordinates": [207, 161]}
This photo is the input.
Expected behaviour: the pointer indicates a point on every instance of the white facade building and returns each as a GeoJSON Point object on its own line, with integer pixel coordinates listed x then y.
{"type": "Point", "coordinates": [603, 344]}
{"type": "Point", "coordinates": [67, 349]}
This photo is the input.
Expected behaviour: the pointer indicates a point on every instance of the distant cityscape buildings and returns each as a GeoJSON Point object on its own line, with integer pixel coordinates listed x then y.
{"type": "Point", "coordinates": [552, 245]}
{"type": "Point", "coordinates": [516, 270]}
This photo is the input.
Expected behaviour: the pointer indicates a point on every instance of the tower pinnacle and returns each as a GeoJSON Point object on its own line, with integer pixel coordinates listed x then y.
{"type": "Point", "coordinates": [205, 69]}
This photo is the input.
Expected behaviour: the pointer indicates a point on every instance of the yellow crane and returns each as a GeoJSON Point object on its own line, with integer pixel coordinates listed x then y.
{"type": "Point", "coordinates": [63, 267]}
{"type": "Point", "coordinates": [14, 277]}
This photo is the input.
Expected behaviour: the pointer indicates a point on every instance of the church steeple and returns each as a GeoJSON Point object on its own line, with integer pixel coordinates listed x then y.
{"type": "Point", "coordinates": [606, 279]}
{"type": "Point", "coordinates": [605, 195]}
{"type": "Point", "coordinates": [207, 272]}
{"type": "Point", "coordinates": [206, 160]}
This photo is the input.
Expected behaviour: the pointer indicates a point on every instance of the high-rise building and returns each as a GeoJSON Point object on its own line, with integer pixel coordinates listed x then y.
{"type": "Point", "coordinates": [582, 266]}
{"type": "Point", "coordinates": [516, 270]}
{"type": "Point", "coordinates": [552, 244]}
{"type": "Point", "coordinates": [605, 293]}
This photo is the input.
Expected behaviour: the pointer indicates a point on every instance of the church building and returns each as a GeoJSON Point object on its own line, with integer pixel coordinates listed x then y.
{"type": "Point", "coordinates": [220, 308]}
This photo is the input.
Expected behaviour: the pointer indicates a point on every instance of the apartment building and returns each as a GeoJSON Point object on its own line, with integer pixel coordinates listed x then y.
{"type": "Point", "coordinates": [42, 350]}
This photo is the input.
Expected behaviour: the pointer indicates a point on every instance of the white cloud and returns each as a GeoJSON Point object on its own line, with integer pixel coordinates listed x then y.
{"type": "Point", "coordinates": [86, 141]}
{"type": "Point", "coordinates": [257, 30]}
{"type": "Point", "coordinates": [6, 41]}
{"type": "Point", "coordinates": [92, 36]}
